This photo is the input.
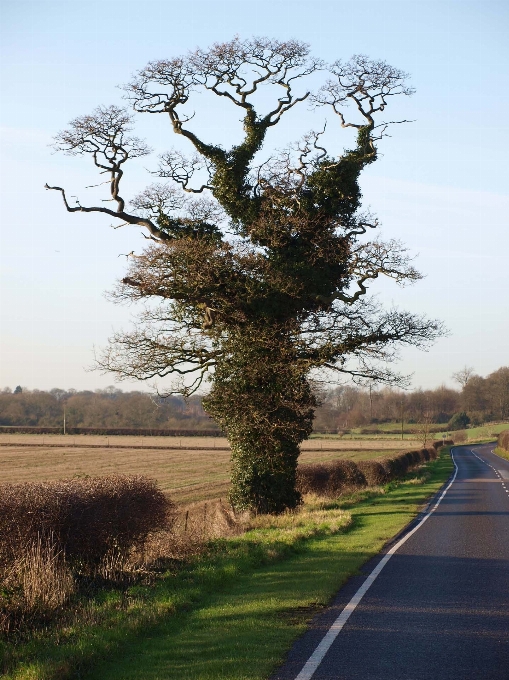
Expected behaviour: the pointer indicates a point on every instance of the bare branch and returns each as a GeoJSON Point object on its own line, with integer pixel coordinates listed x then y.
{"type": "Point", "coordinates": [158, 198]}
{"type": "Point", "coordinates": [365, 82]}
{"type": "Point", "coordinates": [105, 135]}
{"type": "Point", "coordinates": [128, 219]}
{"type": "Point", "coordinates": [463, 376]}
{"type": "Point", "coordinates": [378, 258]}
{"type": "Point", "coordinates": [232, 70]}
{"type": "Point", "coordinates": [176, 166]}
{"type": "Point", "coordinates": [144, 355]}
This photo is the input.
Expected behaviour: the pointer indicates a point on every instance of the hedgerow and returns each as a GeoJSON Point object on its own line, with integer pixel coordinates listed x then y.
{"type": "Point", "coordinates": [340, 476]}
{"type": "Point", "coordinates": [52, 534]}
{"type": "Point", "coordinates": [503, 440]}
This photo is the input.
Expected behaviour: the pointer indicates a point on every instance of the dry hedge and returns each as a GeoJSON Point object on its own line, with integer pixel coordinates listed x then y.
{"type": "Point", "coordinates": [336, 477]}
{"type": "Point", "coordinates": [503, 440]}
{"type": "Point", "coordinates": [374, 472]}
{"type": "Point", "coordinates": [86, 518]}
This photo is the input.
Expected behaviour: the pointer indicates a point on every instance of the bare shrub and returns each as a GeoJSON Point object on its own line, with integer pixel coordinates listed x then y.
{"type": "Point", "coordinates": [53, 531]}
{"type": "Point", "coordinates": [329, 479]}
{"type": "Point", "coordinates": [312, 478]}
{"type": "Point", "coordinates": [442, 442]}
{"type": "Point", "coordinates": [394, 467]}
{"type": "Point", "coordinates": [460, 437]}
{"type": "Point", "coordinates": [88, 518]}
{"type": "Point", "coordinates": [503, 440]}
{"type": "Point", "coordinates": [344, 475]}
{"type": "Point", "coordinates": [336, 477]}
{"type": "Point", "coordinates": [374, 472]}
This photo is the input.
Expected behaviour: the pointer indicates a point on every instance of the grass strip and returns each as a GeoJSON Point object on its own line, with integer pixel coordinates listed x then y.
{"type": "Point", "coordinates": [235, 611]}
{"type": "Point", "coordinates": [502, 453]}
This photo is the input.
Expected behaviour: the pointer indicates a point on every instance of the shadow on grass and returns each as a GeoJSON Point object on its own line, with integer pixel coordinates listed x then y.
{"type": "Point", "coordinates": [261, 612]}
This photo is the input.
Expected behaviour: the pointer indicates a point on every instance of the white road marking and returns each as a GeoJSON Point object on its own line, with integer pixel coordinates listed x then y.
{"type": "Point", "coordinates": [504, 473]}
{"type": "Point", "coordinates": [501, 474]}
{"type": "Point", "coordinates": [317, 656]}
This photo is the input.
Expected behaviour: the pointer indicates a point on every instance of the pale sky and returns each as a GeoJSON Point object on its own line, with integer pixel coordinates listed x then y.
{"type": "Point", "coordinates": [440, 184]}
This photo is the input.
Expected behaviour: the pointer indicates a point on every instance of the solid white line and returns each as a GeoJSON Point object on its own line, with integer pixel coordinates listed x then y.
{"type": "Point", "coordinates": [316, 658]}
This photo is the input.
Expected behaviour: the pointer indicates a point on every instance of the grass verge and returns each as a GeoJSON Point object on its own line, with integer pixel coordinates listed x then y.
{"type": "Point", "coordinates": [502, 452]}
{"type": "Point", "coordinates": [232, 613]}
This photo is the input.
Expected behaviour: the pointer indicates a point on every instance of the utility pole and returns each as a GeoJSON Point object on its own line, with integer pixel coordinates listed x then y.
{"type": "Point", "coordinates": [64, 418]}
{"type": "Point", "coordinates": [402, 420]}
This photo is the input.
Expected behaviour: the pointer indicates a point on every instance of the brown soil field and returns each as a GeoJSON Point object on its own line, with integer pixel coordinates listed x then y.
{"type": "Point", "coordinates": [189, 469]}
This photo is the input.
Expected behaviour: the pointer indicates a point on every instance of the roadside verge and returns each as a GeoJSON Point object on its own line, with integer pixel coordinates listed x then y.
{"type": "Point", "coordinates": [242, 627]}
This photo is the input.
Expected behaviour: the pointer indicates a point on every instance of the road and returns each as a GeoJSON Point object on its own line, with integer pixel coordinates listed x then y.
{"type": "Point", "coordinates": [439, 607]}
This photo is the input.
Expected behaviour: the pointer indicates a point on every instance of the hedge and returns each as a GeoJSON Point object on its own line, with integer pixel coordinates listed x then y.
{"type": "Point", "coordinates": [503, 440]}
{"type": "Point", "coordinates": [86, 519]}
{"type": "Point", "coordinates": [339, 476]}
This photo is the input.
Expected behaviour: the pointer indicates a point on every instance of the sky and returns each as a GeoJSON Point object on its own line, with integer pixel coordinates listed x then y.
{"type": "Point", "coordinates": [440, 184]}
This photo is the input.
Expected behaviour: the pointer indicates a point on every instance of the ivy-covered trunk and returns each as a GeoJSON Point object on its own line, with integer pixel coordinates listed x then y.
{"type": "Point", "coordinates": [263, 401]}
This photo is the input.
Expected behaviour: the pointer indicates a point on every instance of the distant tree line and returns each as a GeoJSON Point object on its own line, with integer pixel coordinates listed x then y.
{"type": "Point", "coordinates": [108, 408]}
{"type": "Point", "coordinates": [479, 400]}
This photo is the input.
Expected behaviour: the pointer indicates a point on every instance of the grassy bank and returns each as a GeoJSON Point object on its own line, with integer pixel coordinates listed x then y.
{"type": "Point", "coordinates": [233, 611]}
{"type": "Point", "coordinates": [502, 452]}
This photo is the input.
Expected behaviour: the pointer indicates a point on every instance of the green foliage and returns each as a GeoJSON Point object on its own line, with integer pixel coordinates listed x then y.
{"type": "Point", "coordinates": [262, 399]}
{"type": "Point", "coordinates": [459, 421]}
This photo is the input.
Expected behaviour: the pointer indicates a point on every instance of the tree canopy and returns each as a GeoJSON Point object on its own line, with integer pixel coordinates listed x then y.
{"type": "Point", "coordinates": [260, 264]}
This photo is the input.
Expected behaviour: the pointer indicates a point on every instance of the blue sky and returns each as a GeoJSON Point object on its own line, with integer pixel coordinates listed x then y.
{"type": "Point", "coordinates": [440, 184]}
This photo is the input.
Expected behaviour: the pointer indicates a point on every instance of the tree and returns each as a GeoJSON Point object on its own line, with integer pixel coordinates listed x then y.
{"type": "Point", "coordinates": [459, 421]}
{"type": "Point", "coordinates": [476, 399]}
{"type": "Point", "coordinates": [463, 376]}
{"type": "Point", "coordinates": [498, 382]}
{"type": "Point", "coordinates": [260, 264]}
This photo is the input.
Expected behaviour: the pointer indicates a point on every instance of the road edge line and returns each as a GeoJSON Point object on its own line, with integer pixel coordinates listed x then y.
{"type": "Point", "coordinates": [321, 650]}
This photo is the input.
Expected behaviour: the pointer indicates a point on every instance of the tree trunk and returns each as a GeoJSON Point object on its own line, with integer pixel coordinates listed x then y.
{"type": "Point", "coordinates": [264, 403]}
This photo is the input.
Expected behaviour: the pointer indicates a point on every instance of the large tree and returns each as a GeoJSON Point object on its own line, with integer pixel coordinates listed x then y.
{"type": "Point", "coordinates": [259, 260]}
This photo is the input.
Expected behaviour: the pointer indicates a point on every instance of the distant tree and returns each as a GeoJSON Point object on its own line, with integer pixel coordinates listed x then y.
{"type": "Point", "coordinates": [425, 415]}
{"type": "Point", "coordinates": [18, 390]}
{"type": "Point", "coordinates": [476, 398]}
{"type": "Point", "coordinates": [266, 279]}
{"type": "Point", "coordinates": [459, 421]}
{"type": "Point", "coordinates": [498, 387]}
{"type": "Point", "coordinates": [463, 376]}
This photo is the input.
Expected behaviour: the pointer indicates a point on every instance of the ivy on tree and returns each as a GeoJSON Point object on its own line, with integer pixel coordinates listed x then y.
{"type": "Point", "coordinates": [259, 261]}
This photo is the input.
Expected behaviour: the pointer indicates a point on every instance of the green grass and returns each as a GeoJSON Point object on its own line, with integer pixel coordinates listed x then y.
{"type": "Point", "coordinates": [233, 613]}
{"type": "Point", "coordinates": [486, 430]}
{"type": "Point", "coordinates": [502, 452]}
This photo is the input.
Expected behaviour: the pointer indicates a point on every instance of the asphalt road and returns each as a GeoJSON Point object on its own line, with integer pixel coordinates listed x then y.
{"type": "Point", "coordinates": [440, 606]}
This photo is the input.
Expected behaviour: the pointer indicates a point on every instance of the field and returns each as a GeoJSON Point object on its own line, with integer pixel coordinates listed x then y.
{"type": "Point", "coordinates": [391, 431]}
{"type": "Point", "coordinates": [189, 469]}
